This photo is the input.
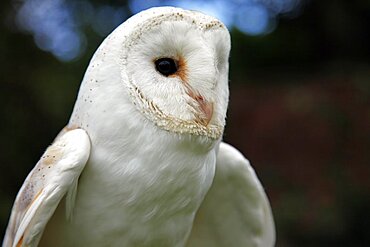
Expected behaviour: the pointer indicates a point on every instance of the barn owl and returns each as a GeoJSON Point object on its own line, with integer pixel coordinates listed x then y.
{"type": "Point", "coordinates": [141, 161]}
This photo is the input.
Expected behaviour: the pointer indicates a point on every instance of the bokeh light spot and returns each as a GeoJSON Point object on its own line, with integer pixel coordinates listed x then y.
{"type": "Point", "coordinates": [253, 19]}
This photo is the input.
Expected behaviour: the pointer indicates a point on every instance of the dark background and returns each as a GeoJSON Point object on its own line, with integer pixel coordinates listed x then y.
{"type": "Point", "coordinates": [299, 110]}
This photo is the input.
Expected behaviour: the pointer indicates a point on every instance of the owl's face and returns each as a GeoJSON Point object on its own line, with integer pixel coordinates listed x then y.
{"type": "Point", "coordinates": [176, 68]}
{"type": "Point", "coordinates": [174, 65]}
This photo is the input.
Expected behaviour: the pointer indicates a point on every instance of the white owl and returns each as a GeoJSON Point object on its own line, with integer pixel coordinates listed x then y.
{"type": "Point", "coordinates": [141, 162]}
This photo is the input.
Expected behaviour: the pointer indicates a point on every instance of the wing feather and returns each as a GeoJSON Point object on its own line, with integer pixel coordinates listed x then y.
{"type": "Point", "coordinates": [54, 175]}
{"type": "Point", "coordinates": [236, 211]}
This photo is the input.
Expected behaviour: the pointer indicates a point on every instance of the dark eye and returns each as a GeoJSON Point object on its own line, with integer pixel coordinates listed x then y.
{"type": "Point", "coordinates": [166, 66]}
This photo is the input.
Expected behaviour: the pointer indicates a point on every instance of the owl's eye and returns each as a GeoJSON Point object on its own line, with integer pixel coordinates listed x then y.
{"type": "Point", "coordinates": [166, 66]}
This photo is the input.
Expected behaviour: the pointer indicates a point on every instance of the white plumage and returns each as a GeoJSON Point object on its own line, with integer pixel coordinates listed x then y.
{"type": "Point", "coordinates": [141, 162]}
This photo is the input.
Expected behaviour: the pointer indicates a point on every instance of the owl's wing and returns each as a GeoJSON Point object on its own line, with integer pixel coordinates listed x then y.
{"type": "Point", "coordinates": [55, 175]}
{"type": "Point", "coordinates": [236, 211]}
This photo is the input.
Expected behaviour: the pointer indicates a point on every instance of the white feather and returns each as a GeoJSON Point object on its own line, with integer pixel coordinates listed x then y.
{"type": "Point", "coordinates": [236, 211]}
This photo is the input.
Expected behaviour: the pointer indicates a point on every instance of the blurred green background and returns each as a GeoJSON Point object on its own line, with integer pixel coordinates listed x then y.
{"type": "Point", "coordinates": [299, 107]}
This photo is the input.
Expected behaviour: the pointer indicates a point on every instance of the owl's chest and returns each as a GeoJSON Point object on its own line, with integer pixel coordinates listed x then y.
{"type": "Point", "coordinates": [141, 197]}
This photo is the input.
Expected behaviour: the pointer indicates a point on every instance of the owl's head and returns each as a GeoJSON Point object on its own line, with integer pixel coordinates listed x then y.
{"type": "Point", "coordinates": [174, 65]}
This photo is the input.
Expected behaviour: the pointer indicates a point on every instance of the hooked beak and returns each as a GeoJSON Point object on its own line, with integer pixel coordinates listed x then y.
{"type": "Point", "coordinates": [205, 108]}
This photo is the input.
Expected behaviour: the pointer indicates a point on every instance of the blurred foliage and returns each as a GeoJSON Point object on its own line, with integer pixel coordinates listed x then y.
{"type": "Point", "coordinates": [299, 110]}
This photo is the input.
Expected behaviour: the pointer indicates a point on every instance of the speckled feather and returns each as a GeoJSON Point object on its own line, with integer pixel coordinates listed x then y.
{"type": "Point", "coordinates": [53, 176]}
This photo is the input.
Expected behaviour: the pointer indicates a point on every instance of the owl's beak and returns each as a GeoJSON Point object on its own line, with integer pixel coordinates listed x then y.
{"type": "Point", "coordinates": [205, 108]}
